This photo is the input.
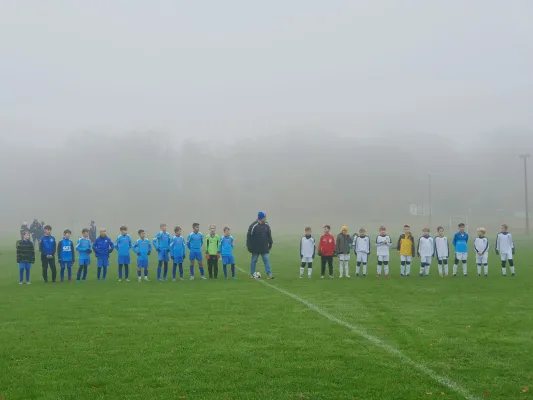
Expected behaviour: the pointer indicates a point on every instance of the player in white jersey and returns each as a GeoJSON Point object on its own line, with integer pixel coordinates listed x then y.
{"type": "Point", "coordinates": [442, 251]}
{"type": "Point", "coordinates": [383, 244]}
{"type": "Point", "coordinates": [481, 246]}
{"type": "Point", "coordinates": [307, 252]}
{"type": "Point", "coordinates": [425, 251]}
{"type": "Point", "coordinates": [361, 247]}
{"type": "Point", "coordinates": [505, 248]}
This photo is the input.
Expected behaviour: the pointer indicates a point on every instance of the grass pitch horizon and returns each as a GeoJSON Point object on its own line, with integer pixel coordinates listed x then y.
{"type": "Point", "coordinates": [246, 340]}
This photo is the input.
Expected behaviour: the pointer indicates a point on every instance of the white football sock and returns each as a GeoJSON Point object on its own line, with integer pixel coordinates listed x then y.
{"type": "Point", "coordinates": [341, 269]}
{"type": "Point", "coordinates": [479, 269]}
{"type": "Point", "coordinates": [512, 269]}
{"type": "Point", "coordinates": [464, 269]}
{"type": "Point", "coordinates": [386, 269]}
{"type": "Point", "coordinates": [440, 269]}
{"type": "Point", "coordinates": [379, 269]}
{"type": "Point", "coordinates": [454, 269]}
{"type": "Point", "coordinates": [402, 269]}
{"type": "Point", "coordinates": [347, 268]}
{"type": "Point", "coordinates": [446, 269]}
{"type": "Point", "coordinates": [364, 269]}
{"type": "Point", "coordinates": [504, 271]}
{"type": "Point", "coordinates": [357, 269]}
{"type": "Point", "coordinates": [421, 269]}
{"type": "Point", "coordinates": [486, 268]}
{"type": "Point", "coordinates": [408, 269]}
{"type": "Point", "coordinates": [427, 270]}
{"type": "Point", "coordinates": [302, 270]}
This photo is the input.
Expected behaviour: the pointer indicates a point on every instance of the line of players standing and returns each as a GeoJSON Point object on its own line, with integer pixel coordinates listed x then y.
{"type": "Point", "coordinates": [427, 248]}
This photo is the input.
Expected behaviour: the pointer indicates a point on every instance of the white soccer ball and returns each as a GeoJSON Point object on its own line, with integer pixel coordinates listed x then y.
{"type": "Point", "coordinates": [257, 275]}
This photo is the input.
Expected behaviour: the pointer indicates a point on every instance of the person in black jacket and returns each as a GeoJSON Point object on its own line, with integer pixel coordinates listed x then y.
{"type": "Point", "coordinates": [92, 232]}
{"type": "Point", "coordinates": [259, 242]}
{"type": "Point", "coordinates": [36, 231]}
{"type": "Point", "coordinates": [25, 257]}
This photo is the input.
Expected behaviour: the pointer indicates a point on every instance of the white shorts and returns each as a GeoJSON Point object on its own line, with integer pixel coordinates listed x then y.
{"type": "Point", "coordinates": [383, 258]}
{"type": "Point", "coordinates": [461, 256]}
{"type": "Point", "coordinates": [344, 257]}
{"type": "Point", "coordinates": [425, 259]}
{"type": "Point", "coordinates": [407, 259]}
{"type": "Point", "coordinates": [483, 259]}
{"type": "Point", "coordinates": [362, 257]}
{"type": "Point", "coordinates": [506, 256]}
{"type": "Point", "coordinates": [445, 259]}
{"type": "Point", "coordinates": [307, 259]}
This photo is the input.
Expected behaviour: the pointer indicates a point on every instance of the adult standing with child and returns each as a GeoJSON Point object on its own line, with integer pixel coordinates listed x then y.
{"type": "Point", "coordinates": [259, 242]}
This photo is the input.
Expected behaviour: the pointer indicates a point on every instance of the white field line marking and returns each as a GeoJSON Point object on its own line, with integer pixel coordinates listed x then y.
{"type": "Point", "coordinates": [376, 341]}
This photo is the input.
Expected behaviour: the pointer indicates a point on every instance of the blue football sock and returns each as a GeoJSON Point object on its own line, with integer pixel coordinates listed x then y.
{"type": "Point", "coordinates": [120, 271]}
{"type": "Point", "coordinates": [201, 270]}
{"type": "Point", "coordinates": [233, 270]}
{"type": "Point", "coordinates": [62, 272]}
{"type": "Point", "coordinates": [159, 272]}
{"type": "Point", "coordinates": [78, 275]}
{"type": "Point", "coordinates": [181, 270]}
{"type": "Point", "coordinates": [165, 270]}
{"type": "Point", "coordinates": [126, 271]}
{"type": "Point", "coordinates": [145, 272]}
{"type": "Point", "coordinates": [192, 270]}
{"type": "Point", "coordinates": [69, 272]}
{"type": "Point", "coordinates": [27, 274]}
{"type": "Point", "coordinates": [105, 273]}
{"type": "Point", "coordinates": [139, 272]}
{"type": "Point", "coordinates": [225, 269]}
{"type": "Point", "coordinates": [174, 270]}
{"type": "Point", "coordinates": [98, 273]}
{"type": "Point", "coordinates": [85, 272]}
{"type": "Point", "coordinates": [21, 274]}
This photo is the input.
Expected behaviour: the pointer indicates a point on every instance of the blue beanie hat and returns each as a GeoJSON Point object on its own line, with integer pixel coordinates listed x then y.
{"type": "Point", "coordinates": [261, 215]}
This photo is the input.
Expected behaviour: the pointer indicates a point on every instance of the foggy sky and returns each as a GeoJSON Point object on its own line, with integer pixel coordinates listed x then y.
{"type": "Point", "coordinates": [344, 77]}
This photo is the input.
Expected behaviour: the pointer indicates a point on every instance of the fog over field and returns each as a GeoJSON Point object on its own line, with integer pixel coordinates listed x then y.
{"type": "Point", "coordinates": [136, 113]}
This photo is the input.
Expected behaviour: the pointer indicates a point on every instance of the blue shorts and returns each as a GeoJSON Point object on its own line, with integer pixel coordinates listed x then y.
{"type": "Point", "coordinates": [103, 262]}
{"type": "Point", "coordinates": [85, 262]}
{"type": "Point", "coordinates": [24, 265]}
{"type": "Point", "coordinates": [162, 255]}
{"type": "Point", "coordinates": [142, 263]}
{"type": "Point", "coordinates": [124, 260]}
{"type": "Point", "coordinates": [67, 264]}
{"type": "Point", "coordinates": [226, 260]}
{"type": "Point", "coordinates": [195, 255]}
{"type": "Point", "coordinates": [178, 260]}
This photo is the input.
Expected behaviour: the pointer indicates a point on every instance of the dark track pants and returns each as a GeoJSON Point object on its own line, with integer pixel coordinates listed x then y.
{"type": "Point", "coordinates": [49, 262]}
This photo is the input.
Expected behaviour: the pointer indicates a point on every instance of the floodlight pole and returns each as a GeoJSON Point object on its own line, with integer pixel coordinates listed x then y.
{"type": "Point", "coordinates": [525, 157]}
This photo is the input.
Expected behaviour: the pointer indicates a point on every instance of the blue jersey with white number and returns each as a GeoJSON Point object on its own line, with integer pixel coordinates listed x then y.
{"type": "Point", "coordinates": [65, 250]}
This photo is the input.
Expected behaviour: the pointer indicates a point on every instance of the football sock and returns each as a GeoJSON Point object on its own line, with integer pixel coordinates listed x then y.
{"type": "Point", "coordinates": [364, 268]}
{"type": "Point", "coordinates": [191, 270]}
{"type": "Point", "coordinates": [386, 267]}
{"type": "Point", "coordinates": [105, 273]}
{"type": "Point", "coordinates": [512, 269]}
{"type": "Point", "coordinates": [422, 268]}
{"type": "Point", "coordinates": [341, 268]}
{"type": "Point", "coordinates": [439, 266]}
{"type": "Point", "coordinates": [357, 268]}
{"type": "Point", "coordinates": [407, 268]}
{"type": "Point", "coordinates": [174, 270]}
{"type": "Point", "coordinates": [446, 269]}
{"type": "Point", "coordinates": [309, 269]}
{"type": "Point", "coordinates": [21, 274]}
{"type": "Point", "coordinates": [181, 269]}
{"type": "Point", "coordinates": [379, 267]}
{"type": "Point", "coordinates": [98, 272]}
{"type": "Point", "coordinates": [159, 271]}
{"type": "Point", "coordinates": [233, 270]}
{"type": "Point", "coordinates": [85, 270]}
{"type": "Point", "coordinates": [347, 268]}
{"type": "Point", "coordinates": [165, 269]}
{"type": "Point", "coordinates": [120, 271]}
{"type": "Point", "coordinates": [139, 273]}
{"type": "Point", "coordinates": [126, 271]}
{"type": "Point", "coordinates": [302, 269]}
{"type": "Point", "coordinates": [464, 268]}
{"type": "Point", "coordinates": [146, 272]}
{"type": "Point", "coordinates": [69, 272]}
{"type": "Point", "coordinates": [78, 275]}
{"type": "Point", "coordinates": [201, 271]}
{"type": "Point", "coordinates": [427, 269]}
{"type": "Point", "coordinates": [479, 269]}
{"type": "Point", "coordinates": [486, 268]}
{"type": "Point", "coordinates": [454, 269]}
{"type": "Point", "coordinates": [225, 270]}
{"type": "Point", "coordinates": [402, 268]}
{"type": "Point", "coordinates": [27, 274]}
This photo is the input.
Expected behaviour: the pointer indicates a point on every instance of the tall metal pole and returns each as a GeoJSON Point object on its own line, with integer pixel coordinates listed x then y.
{"type": "Point", "coordinates": [525, 157]}
{"type": "Point", "coordinates": [430, 203]}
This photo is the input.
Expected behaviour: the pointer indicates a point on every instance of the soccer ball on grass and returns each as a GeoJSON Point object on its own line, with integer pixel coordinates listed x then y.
{"type": "Point", "coordinates": [257, 275]}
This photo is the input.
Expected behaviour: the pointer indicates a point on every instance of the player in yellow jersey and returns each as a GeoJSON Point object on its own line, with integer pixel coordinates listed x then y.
{"type": "Point", "coordinates": [406, 249]}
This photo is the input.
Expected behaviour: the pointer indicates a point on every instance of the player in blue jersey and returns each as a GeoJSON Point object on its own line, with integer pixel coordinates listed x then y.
{"type": "Point", "coordinates": [142, 248]}
{"type": "Point", "coordinates": [66, 255]}
{"type": "Point", "coordinates": [103, 246]}
{"type": "Point", "coordinates": [161, 244]}
{"type": "Point", "coordinates": [195, 241]}
{"type": "Point", "coordinates": [177, 252]}
{"type": "Point", "coordinates": [123, 246]}
{"type": "Point", "coordinates": [227, 243]}
{"type": "Point", "coordinates": [47, 247]}
{"type": "Point", "coordinates": [460, 242]}
{"type": "Point", "coordinates": [84, 254]}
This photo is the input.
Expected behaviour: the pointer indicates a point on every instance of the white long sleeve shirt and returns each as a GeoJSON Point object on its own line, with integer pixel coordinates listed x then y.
{"type": "Point", "coordinates": [504, 243]}
{"type": "Point", "coordinates": [383, 244]}
{"type": "Point", "coordinates": [361, 244]}
{"type": "Point", "coordinates": [425, 246]}
{"type": "Point", "coordinates": [442, 249]}
{"type": "Point", "coordinates": [481, 245]}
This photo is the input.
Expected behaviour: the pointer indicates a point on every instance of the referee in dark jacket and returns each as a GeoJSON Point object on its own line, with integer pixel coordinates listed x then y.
{"type": "Point", "coordinates": [259, 242]}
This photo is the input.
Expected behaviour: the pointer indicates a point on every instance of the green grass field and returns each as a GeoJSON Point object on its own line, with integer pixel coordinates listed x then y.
{"type": "Point", "coordinates": [289, 338]}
